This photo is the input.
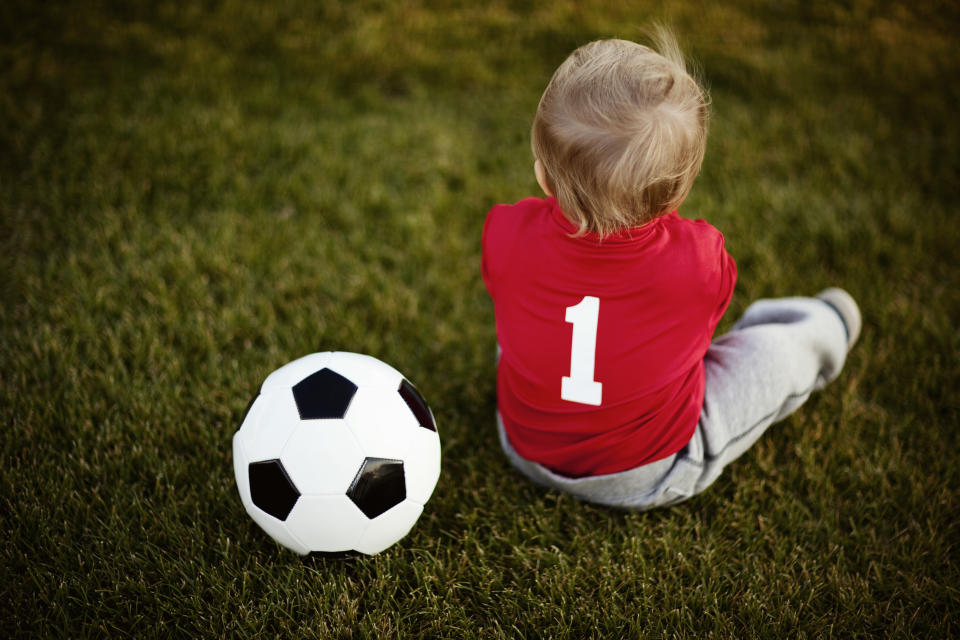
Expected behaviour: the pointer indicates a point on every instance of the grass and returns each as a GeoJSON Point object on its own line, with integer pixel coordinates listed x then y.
{"type": "Point", "coordinates": [191, 196]}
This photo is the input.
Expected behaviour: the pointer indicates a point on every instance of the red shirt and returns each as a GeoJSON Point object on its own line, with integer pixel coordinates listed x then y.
{"type": "Point", "coordinates": [626, 320]}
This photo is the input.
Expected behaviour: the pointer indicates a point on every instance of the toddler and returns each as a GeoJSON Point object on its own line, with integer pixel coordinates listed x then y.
{"type": "Point", "coordinates": [608, 384]}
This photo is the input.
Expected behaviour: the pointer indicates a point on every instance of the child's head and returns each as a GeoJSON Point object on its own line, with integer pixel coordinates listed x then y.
{"type": "Point", "coordinates": [620, 133]}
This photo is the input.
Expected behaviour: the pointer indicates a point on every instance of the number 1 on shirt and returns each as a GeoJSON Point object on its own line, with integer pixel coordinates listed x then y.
{"type": "Point", "coordinates": [580, 386]}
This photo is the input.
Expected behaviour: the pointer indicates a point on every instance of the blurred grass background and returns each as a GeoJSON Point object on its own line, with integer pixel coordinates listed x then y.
{"type": "Point", "coordinates": [194, 193]}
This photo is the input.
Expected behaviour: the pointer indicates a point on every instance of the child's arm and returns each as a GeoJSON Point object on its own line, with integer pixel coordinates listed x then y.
{"type": "Point", "coordinates": [727, 281]}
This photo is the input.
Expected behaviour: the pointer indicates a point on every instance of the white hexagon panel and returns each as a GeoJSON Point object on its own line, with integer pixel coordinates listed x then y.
{"type": "Point", "coordinates": [339, 452]}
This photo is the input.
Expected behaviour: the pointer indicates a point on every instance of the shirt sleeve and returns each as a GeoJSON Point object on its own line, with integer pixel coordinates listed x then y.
{"type": "Point", "coordinates": [499, 235]}
{"type": "Point", "coordinates": [728, 280]}
{"type": "Point", "coordinates": [486, 258]}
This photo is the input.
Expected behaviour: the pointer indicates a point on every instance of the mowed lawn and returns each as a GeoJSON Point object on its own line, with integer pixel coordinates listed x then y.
{"type": "Point", "coordinates": [193, 194]}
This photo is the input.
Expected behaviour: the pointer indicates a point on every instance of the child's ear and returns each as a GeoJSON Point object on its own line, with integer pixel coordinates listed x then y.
{"type": "Point", "coordinates": [541, 177]}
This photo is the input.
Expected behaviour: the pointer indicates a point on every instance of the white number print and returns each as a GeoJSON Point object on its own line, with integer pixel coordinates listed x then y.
{"type": "Point", "coordinates": [580, 386]}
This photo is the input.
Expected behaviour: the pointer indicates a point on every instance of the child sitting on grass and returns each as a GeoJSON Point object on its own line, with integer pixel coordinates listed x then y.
{"type": "Point", "coordinates": [608, 384]}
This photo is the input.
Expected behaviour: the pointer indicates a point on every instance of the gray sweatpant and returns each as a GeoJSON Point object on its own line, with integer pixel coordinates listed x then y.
{"type": "Point", "coordinates": [779, 352]}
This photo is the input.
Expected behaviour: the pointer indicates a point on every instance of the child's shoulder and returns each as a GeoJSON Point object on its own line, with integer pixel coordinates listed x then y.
{"type": "Point", "coordinates": [698, 248]}
{"type": "Point", "coordinates": [512, 218]}
{"type": "Point", "coordinates": [695, 230]}
{"type": "Point", "coordinates": [693, 225]}
{"type": "Point", "coordinates": [526, 206]}
{"type": "Point", "coordinates": [505, 226]}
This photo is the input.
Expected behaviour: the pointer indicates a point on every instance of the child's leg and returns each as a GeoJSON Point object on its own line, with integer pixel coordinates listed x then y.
{"type": "Point", "coordinates": [765, 368]}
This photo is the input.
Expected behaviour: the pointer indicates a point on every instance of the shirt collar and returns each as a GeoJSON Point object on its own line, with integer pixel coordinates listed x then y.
{"type": "Point", "coordinates": [632, 234]}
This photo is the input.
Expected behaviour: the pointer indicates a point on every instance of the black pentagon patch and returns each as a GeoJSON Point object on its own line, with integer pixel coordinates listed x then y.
{"type": "Point", "coordinates": [379, 485]}
{"type": "Point", "coordinates": [417, 405]}
{"type": "Point", "coordinates": [271, 488]}
{"type": "Point", "coordinates": [324, 394]}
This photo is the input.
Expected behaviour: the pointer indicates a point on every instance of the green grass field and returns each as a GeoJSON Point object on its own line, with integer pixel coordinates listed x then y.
{"type": "Point", "coordinates": [191, 196]}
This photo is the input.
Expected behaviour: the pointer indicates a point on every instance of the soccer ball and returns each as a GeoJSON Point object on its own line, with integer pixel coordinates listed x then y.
{"type": "Point", "coordinates": [338, 452]}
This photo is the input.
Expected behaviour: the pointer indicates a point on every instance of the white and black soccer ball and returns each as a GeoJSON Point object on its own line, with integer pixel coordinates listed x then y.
{"type": "Point", "coordinates": [339, 452]}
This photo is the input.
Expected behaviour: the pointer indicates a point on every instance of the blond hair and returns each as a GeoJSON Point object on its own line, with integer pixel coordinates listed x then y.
{"type": "Point", "coordinates": [620, 133]}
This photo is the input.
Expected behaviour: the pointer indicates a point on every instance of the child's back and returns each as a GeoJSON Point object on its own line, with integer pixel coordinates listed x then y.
{"type": "Point", "coordinates": [602, 341]}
